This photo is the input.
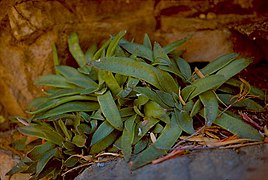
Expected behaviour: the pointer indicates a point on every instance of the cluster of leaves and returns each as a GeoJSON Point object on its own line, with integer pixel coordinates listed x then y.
{"type": "Point", "coordinates": [132, 98]}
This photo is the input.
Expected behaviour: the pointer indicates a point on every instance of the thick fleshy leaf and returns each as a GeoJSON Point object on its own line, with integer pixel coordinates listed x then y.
{"type": "Point", "coordinates": [56, 102]}
{"type": "Point", "coordinates": [144, 126]}
{"type": "Point", "coordinates": [196, 108]}
{"type": "Point", "coordinates": [110, 81]}
{"type": "Point", "coordinates": [128, 137]}
{"type": "Point", "coordinates": [234, 68]}
{"type": "Point", "coordinates": [152, 109]}
{"type": "Point", "coordinates": [42, 132]}
{"type": "Point", "coordinates": [57, 93]}
{"type": "Point", "coordinates": [247, 103]}
{"type": "Point", "coordinates": [114, 42]}
{"type": "Point", "coordinates": [205, 84]}
{"type": "Point", "coordinates": [103, 130]}
{"type": "Point", "coordinates": [151, 95]}
{"type": "Point", "coordinates": [184, 121]}
{"type": "Point", "coordinates": [38, 151]}
{"type": "Point", "coordinates": [166, 140]}
{"type": "Point", "coordinates": [174, 45]}
{"type": "Point", "coordinates": [69, 107]}
{"type": "Point", "coordinates": [55, 57]}
{"type": "Point", "coordinates": [104, 143]}
{"type": "Point", "coordinates": [110, 110]}
{"type": "Point", "coordinates": [184, 68]}
{"type": "Point", "coordinates": [52, 80]}
{"type": "Point", "coordinates": [41, 163]}
{"type": "Point", "coordinates": [99, 53]}
{"type": "Point", "coordinates": [167, 98]}
{"type": "Point", "coordinates": [238, 127]}
{"type": "Point", "coordinates": [160, 57]}
{"type": "Point", "coordinates": [147, 42]}
{"type": "Point", "coordinates": [79, 140]}
{"type": "Point", "coordinates": [131, 83]}
{"type": "Point", "coordinates": [253, 90]}
{"type": "Point", "coordinates": [137, 49]}
{"type": "Point", "coordinates": [76, 78]}
{"type": "Point", "coordinates": [167, 82]}
{"type": "Point", "coordinates": [129, 67]}
{"type": "Point", "coordinates": [218, 63]}
{"type": "Point", "coordinates": [210, 102]}
{"type": "Point", "coordinates": [75, 49]}
{"type": "Point", "coordinates": [64, 130]}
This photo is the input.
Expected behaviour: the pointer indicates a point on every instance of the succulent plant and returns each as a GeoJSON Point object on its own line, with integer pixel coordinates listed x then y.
{"type": "Point", "coordinates": [132, 98]}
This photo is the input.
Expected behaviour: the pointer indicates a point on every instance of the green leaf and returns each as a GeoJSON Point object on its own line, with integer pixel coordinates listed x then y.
{"type": "Point", "coordinates": [167, 98]}
{"type": "Point", "coordinates": [76, 78]}
{"type": "Point", "coordinates": [128, 137]}
{"type": "Point", "coordinates": [187, 91]}
{"type": "Point", "coordinates": [131, 83]}
{"type": "Point", "coordinates": [37, 152]}
{"type": "Point", "coordinates": [210, 102]}
{"type": "Point", "coordinates": [167, 82]}
{"type": "Point", "coordinates": [151, 95]}
{"type": "Point", "coordinates": [75, 49]}
{"type": "Point", "coordinates": [41, 163]}
{"type": "Point", "coordinates": [184, 121]}
{"type": "Point", "coordinates": [129, 67]}
{"type": "Point", "coordinates": [172, 69]}
{"type": "Point", "coordinates": [71, 161]}
{"type": "Point", "coordinates": [55, 57]}
{"type": "Point", "coordinates": [137, 49]}
{"type": "Point", "coordinates": [165, 141]}
{"type": "Point", "coordinates": [79, 140]}
{"type": "Point", "coordinates": [98, 54]}
{"type": "Point", "coordinates": [102, 131]}
{"type": "Point", "coordinates": [147, 42]}
{"type": "Point", "coordinates": [245, 103]}
{"type": "Point", "coordinates": [144, 126]}
{"type": "Point", "coordinates": [204, 84]}
{"type": "Point", "coordinates": [238, 127]}
{"type": "Point", "coordinates": [110, 110]}
{"type": "Point", "coordinates": [110, 81]}
{"type": "Point", "coordinates": [253, 90]}
{"type": "Point", "coordinates": [57, 93]}
{"type": "Point", "coordinates": [234, 68]}
{"type": "Point", "coordinates": [104, 143]}
{"type": "Point", "coordinates": [56, 102]}
{"type": "Point", "coordinates": [126, 112]}
{"type": "Point", "coordinates": [54, 81]}
{"type": "Point", "coordinates": [174, 45]}
{"type": "Point", "coordinates": [219, 63]}
{"type": "Point", "coordinates": [160, 57]}
{"type": "Point", "coordinates": [152, 109]}
{"type": "Point", "coordinates": [196, 108]}
{"type": "Point", "coordinates": [114, 43]}
{"type": "Point", "coordinates": [141, 145]}
{"type": "Point", "coordinates": [184, 68]}
{"type": "Point", "coordinates": [42, 132]}
{"type": "Point", "coordinates": [64, 130]}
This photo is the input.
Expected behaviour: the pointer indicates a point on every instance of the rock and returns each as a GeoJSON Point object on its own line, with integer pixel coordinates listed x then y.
{"type": "Point", "coordinates": [245, 163]}
{"type": "Point", "coordinates": [204, 46]}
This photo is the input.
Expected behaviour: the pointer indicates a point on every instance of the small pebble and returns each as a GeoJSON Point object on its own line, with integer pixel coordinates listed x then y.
{"type": "Point", "coordinates": [211, 15]}
{"type": "Point", "coordinates": [202, 16]}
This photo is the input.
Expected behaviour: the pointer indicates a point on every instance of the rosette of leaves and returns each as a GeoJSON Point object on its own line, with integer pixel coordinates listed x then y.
{"type": "Point", "coordinates": [131, 98]}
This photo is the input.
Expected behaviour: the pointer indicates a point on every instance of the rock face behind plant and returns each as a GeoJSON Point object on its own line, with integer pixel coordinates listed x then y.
{"type": "Point", "coordinates": [29, 28]}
